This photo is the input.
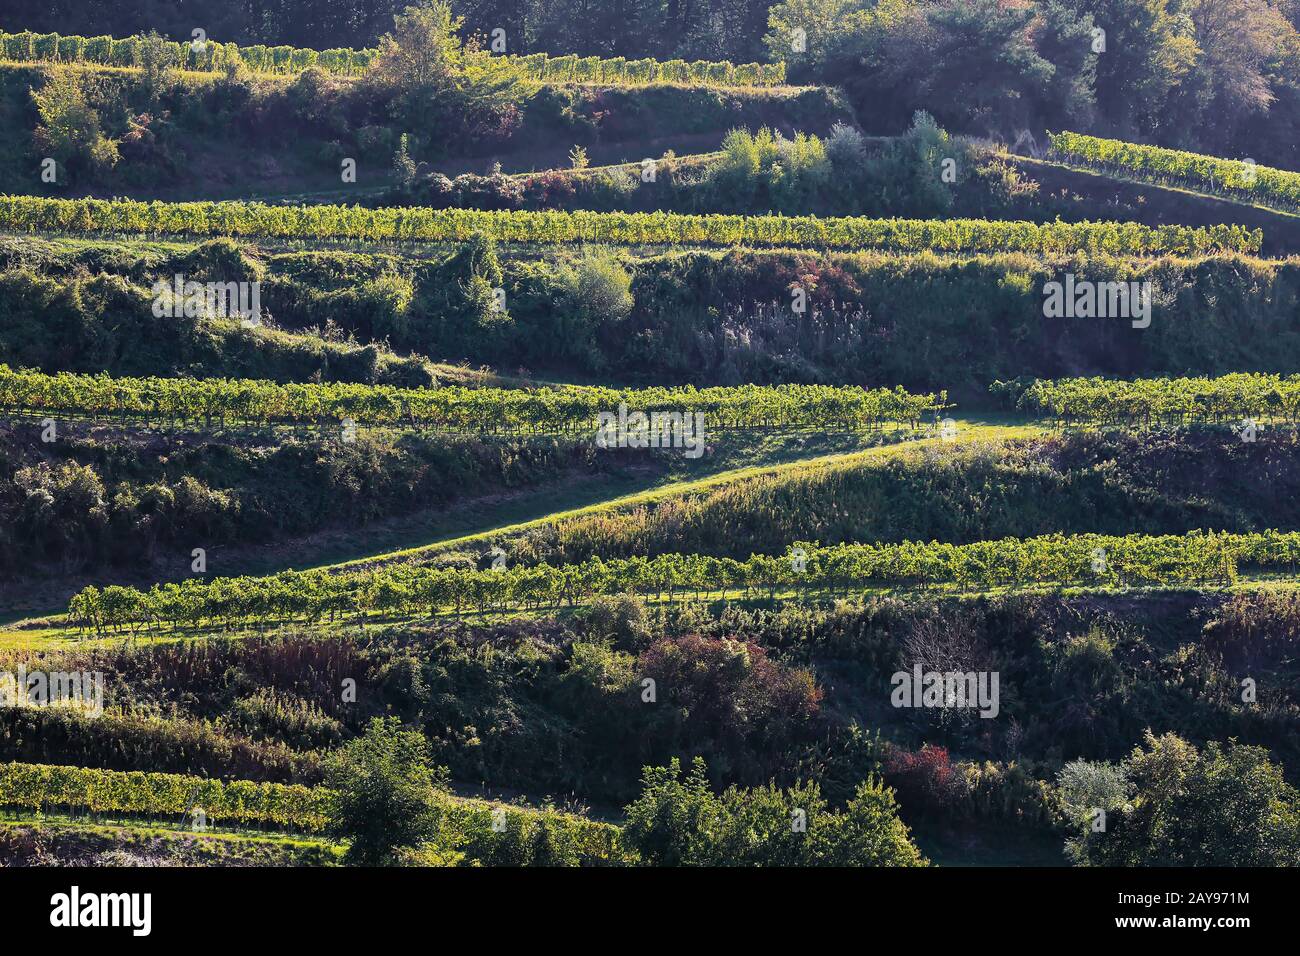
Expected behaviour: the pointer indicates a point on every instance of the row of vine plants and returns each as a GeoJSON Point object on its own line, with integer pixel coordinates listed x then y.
{"type": "Point", "coordinates": [573, 411]}
{"type": "Point", "coordinates": [1279, 188]}
{"type": "Point", "coordinates": [488, 833]}
{"type": "Point", "coordinates": [211, 56]}
{"type": "Point", "coordinates": [841, 570]}
{"type": "Point", "coordinates": [30, 214]}
{"type": "Point", "coordinates": [1237, 399]}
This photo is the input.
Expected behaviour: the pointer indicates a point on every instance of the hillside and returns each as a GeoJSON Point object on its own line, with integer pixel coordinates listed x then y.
{"type": "Point", "coordinates": [691, 442]}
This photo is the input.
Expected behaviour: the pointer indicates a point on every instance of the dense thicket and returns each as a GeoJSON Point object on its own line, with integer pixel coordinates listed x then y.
{"type": "Point", "coordinates": [1158, 483]}
{"type": "Point", "coordinates": [105, 323]}
{"type": "Point", "coordinates": [1219, 75]}
{"type": "Point", "coordinates": [924, 321]}
{"type": "Point", "coordinates": [85, 501]}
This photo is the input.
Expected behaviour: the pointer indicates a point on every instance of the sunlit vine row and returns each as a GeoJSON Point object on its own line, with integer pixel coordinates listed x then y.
{"type": "Point", "coordinates": [1231, 399]}
{"type": "Point", "coordinates": [211, 56]}
{"type": "Point", "coordinates": [27, 214]}
{"type": "Point", "coordinates": [177, 402]}
{"type": "Point", "coordinates": [1275, 187]}
{"type": "Point", "coordinates": [837, 571]}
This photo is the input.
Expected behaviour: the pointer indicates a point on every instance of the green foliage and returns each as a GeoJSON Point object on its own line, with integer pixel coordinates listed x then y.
{"type": "Point", "coordinates": [163, 795]}
{"type": "Point", "coordinates": [569, 410]}
{"type": "Point", "coordinates": [1221, 806]}
{"type": "Point", "coordinates": [107, 323]}
{"type": "Point", "coordinates": [1278, 188]}
{"type": "Point", "coordinates": [423, 32]}
{"type": "Point", "coordinates": [681, 822]}
{"type": "Point", "coordinates": [1234, 399]}
{"type": "Point", "coordinates": [1078, 482]}
{"type": "Point", "coordinates": [437, 87]}
{"type": "Point", "coordinates": [386, 792]}
{"type": "Point", "coordinates": [31, 214]}
{"type": "Point", "coordinates": [99, 500]}
{"type": "Point", "coordinates": [69, 131]}
{"type": "Point", "coordinates": [596, 297]}
{"type": "Point", "coordinates": [1157, 70]}
{"type": "Point", "coordinates": [839, 570]}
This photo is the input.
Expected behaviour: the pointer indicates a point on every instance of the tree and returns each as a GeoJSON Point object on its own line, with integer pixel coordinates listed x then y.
{"type": "Point", "coordinates": [597, 296]}
{"type": "Point", "coordinates": [388, 792]}
{"type": "Point", "coordinates": [867, 832]}
{"type": "Point", "coordinates": [434, 84]}
{"type": "Point", "coordinates": [68, 130]}
{"type": "Point", "coordinates": [982, 67]}
{"type": "Point", "coordinates": [1149, 49]}
{"type": "Point", "coordinates": [679, 821]}
{"type": "Point", "coordinates": [1223, 806]}
{"type": "Point", "coordinates": [820, 37]}
{"type": "Point", "coordinates": [669, 823]}
{"type": "Point", "coordinates": [403, 165]}
{"type": "Point", "coordinates": [157, 62]}
{"type": "Point", "coordinates": [1242, 47]}
{"type": "Point", "coordinates": [1063, 37]}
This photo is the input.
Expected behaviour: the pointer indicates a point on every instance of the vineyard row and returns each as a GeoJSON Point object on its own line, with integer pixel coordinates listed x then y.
{"type": "Point", "coordinates": [175, 402]}
{"type": "Point", "coordinates": [483, 827]}
{"type": "Point", "coordinates": [1236, 398]}
{"type": "Point", "coordinates": [1242, 178]}
{"type": "Point", "coordinates": [213, 57]}
{"type": "Point", "coordinates": [30, 214]}
{"type": "Point", "coordinates": [839, 570]}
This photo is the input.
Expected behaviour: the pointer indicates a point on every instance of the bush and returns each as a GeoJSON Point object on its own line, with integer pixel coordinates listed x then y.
{"type": "Point", "coordinates": [680, 822]}
{"type": "Point", "coordinates": [925, 780]}
{"type": "Point", "coordinates": [387, 792]}
{"type": "Point", "coordinates": [1222, 806]}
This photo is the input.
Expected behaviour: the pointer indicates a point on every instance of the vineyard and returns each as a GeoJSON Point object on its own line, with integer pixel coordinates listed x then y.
{"type": "Point", "coordinates": [1229, 399]}
{"type": "Point", "coordinates": [27, 214]}
{"type": "Point", "coordinates": [163, 795]}
{"type": "Point", "coordinates": [1279, 188]}
{"type": "Point", "coordinates": [838, 488]}
{"type": "Point", "coordinates": [270, 806]}
{"type": "Point", "coordinates": [210, 56]}
{"type": "Point", "coordinates": [175, 403]}
{"type": "Point", "coordinates": [838, 571]}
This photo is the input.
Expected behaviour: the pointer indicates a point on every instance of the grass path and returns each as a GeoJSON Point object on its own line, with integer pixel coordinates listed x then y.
{"type": "Point", "coordinates": [969, 431]}
{"type": "Point", "coordinates": [481, 522]}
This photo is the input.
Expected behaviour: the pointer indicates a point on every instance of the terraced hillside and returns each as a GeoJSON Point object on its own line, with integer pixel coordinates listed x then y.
{"type": "Point", "coordinates": [619, 514]}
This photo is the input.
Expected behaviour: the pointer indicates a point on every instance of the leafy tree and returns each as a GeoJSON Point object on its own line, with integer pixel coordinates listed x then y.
{"type": "Point", "coordinates": [433, 83]}
{"type": "Point", "coordinates": [388, 791]}
{"type": "Point", "coordinates": [1242, 48]}
{"type": "Point", "coordinates": [68, 130]}
{"type": "Point", "coordinates": [1063, 37]}
{"type": "Point", "coordinates": [1086, 787]}
{"type": "Point", "coordinates": [1149, 50]}
{"type": "Point", "coordinates": [462, 304]}
{"type": "Point", "coordinates": [821, 37]}
{"type": "Point", "coordinates": [669, 823]}
{"type": "Point", "coordinates": [1223, 806]}
{"type": "Point", "coordinates": [403, 165]}
{"type": "Point", "coordinates": [867, 832]}
{"type": "Point", "coordinates": [679, 821]}
{"type": "Point", "coordinates": [597, 294]}
{"type": "Point", "coordinates": [982, 65]}
{"type": "Point", "coordinates": [156, 66]}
